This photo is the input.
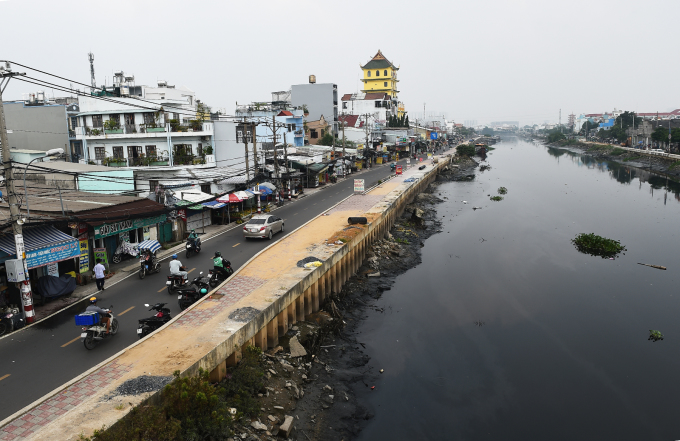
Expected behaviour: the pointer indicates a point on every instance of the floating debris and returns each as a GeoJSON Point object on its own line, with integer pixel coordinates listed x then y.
{"type": "Point", "coordinates": [502, 190]}
{"type": "Point", "coordinates": [597, 245]}
{"type": "Point", "coordinates": [479, 323]}
{"type": "Point", "coordinates": [653, 266]}
{"type": "Point", "coordinates": [655, 335]}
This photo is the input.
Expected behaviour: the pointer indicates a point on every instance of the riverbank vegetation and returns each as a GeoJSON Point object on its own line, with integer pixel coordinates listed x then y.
{"type": "Point", "coordinates": [191, 408]}
{"type": "Point", "coordinates": [466, 150]}
{"type": "Point", "coordinates": [597, 245]}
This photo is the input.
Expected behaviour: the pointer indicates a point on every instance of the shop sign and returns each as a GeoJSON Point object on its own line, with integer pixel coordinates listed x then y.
{"type": "Point", "coordinates": [53, 269]}
{"type": "Point", "coordinates": [100, 253]}
{"type": "Point", "coordinates": [182, 213]}
{"type": "Point", "coordinates": [84, 260]}
{"type": "Point", "coordinates": [147, 233]}
{"type": "Point", "coordinates": [126, 225]}
{"type": "Point", "coordinates": [80, 226]}
{"type": "Point", "coordinates": [43, 256]}
{"type": "Point", "coordinates": [358, 185]}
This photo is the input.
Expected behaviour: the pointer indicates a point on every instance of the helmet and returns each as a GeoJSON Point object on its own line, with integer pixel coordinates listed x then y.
{"type": "Point", "coordinates": [204, 291]}
{"type": "Point", "coordinates": [193, 231]}
{"type": "Point", "coordinates": [218, 254]}
{"type": "Point", "coordinates": [93, 300]}
{"type": "Point", "coordinates": [174, 256]}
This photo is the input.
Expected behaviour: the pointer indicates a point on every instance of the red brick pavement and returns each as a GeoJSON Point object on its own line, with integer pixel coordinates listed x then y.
{"type": "Point", "coordinates": [232, 292]}
{"type": "Point", "coordinates": [40, 416]}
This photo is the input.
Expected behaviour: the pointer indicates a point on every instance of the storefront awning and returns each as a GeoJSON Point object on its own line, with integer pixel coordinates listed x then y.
{"type": "Point", "coordinates": [318, 168]}
{"type": "Point", "coordinates": [214, 204]}
{"type": "Point", "coordinates": [43, 245]}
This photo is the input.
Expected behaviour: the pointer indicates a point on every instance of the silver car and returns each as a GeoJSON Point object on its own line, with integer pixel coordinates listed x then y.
{"type": "Point", "coordinates": [262, 225]}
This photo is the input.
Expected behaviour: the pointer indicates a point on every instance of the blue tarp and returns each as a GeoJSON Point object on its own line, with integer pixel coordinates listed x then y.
{"type": "Point", "coordinates": [264, 192]}
{"type": "Point", "coordinates": [214, 204]}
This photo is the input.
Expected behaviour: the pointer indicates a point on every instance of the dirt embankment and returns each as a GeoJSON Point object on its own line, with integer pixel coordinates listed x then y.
{"type": "Point", "coordinates": [319, 389]}
{"type": "Point", "coordinates": [658, 164]}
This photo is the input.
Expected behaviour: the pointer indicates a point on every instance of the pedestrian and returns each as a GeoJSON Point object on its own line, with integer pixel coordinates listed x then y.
{"type": "Point", "coordinates": [99, 274]}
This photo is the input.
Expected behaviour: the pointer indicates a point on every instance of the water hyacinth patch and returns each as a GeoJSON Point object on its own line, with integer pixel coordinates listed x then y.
{"type": "Point", "coordinates": [502, 190]}
{"type": "Point", "coordinates": [598, 246]}
{"type": "Point", "coordinates": [655, 335]}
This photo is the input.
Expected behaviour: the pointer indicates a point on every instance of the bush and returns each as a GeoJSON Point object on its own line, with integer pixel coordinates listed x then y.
{"type": "Point", "coordinates": [617, 151]}
{"type": "Point", "coordinates": [556, 136]}
{"type": "Point", "coordinates": [502, 190]}
{"type": "Point", "coordinates": [466, 150]}
{"type": "Point", "coordinates": [597, 245]}
{"type": "Point", "coordinates": [496, 198]}
{"type": "Point", "coordinates": [244, 382]}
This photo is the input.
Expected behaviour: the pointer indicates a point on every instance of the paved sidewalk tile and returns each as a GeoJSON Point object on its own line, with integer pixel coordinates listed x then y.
{"type": "Point", "coordinates": [360, 203]}
{"type": "Point", "coordinates": [24, 426]}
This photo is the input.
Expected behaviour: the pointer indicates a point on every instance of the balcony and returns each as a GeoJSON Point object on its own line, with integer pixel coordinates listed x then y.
{"type": "Point", "coordinates": [299, 133]}
{"type": "Point", "coordinates": [126, 129]}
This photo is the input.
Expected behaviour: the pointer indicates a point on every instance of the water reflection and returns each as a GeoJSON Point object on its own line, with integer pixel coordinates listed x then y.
{"type": "Point", "coordinates": [624, 174]}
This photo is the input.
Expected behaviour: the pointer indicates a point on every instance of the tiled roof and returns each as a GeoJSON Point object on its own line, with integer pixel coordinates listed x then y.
{"type": "Point", "coordinates": [347, 97]}
{"type": "Point", "coordinates": [350, 120]}
{"type": "Point", "coordinates": [136, 209]}
{"type": "Point", "coordinates": [285, 113]}
{"type": "Point", "coordinates": [379, 62]}
{"type": "Point", "coordinates": [375, 96]}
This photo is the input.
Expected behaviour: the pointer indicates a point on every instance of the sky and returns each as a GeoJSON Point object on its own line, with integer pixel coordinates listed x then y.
{"type": "Point", "coordinates": [482, 60]}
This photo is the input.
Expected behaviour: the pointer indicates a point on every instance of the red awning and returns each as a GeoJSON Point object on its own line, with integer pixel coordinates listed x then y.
{"type": "Point", "coordinates": [229, 199]}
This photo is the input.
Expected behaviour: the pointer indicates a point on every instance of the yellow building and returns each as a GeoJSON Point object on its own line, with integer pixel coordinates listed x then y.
{"type": "Point", "coordinates": [380, 76]}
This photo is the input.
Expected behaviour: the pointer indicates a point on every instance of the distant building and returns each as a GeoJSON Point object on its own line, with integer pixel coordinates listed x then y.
{"type": "Point", "coordinates": [318, 99]}
{"type": "Point", "coordinates": [37, 125]}
{"type": "Point", "coordinates": [380, 76]}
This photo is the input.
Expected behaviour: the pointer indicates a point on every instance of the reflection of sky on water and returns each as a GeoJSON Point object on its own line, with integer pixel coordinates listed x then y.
{"type": "Point", "coordinates": [624, 174]}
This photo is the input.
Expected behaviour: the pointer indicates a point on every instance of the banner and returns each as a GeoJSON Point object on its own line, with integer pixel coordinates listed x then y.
{"type": "Point", "coordinates": [100, 253]}
{"type": "Point", "coordinates": [53, 269]}
{"type": "Point", "coordinates": [126, 225]}
{"type": "Point", "coordinates": [84, 259]}
{"type": "Point", "coordinates": [43, 256]}
{"type": "Point", "coordinates": [358, 185]}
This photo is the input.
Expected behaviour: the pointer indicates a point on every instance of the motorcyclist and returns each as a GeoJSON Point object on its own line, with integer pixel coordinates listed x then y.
{"type": "Point", "coordinates": [176, 268]}
{"type": "Point", "coordinates": [103, 313]}
{"type": "Point", "coordinates": [193, 239]}
{"type": "Point", "coordinates": [221, 265]}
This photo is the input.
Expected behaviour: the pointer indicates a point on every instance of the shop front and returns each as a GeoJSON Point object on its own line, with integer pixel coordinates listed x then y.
{"type": "Point", "coordinates": [109, 236]}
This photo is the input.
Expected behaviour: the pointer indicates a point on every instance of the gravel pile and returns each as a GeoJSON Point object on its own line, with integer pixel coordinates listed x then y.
{"type": "Point", "coordinates": [301, 263]}
{"type": "Point", "coordinates": [244, 314]}
{"type": "Point", "coordinates": [142, 384]}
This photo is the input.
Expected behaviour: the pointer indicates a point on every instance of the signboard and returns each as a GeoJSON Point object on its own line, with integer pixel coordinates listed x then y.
{"type": "Point", "coordinates": [84, 260]}
{"type": "Point", "coordinates": [100, 253]}
{"type": "Point", "coordinates": [43, 256]}
{"type": "Point", "coordinates": [398, 170]}
{"type": "Point", "coordinates": [126, 225]}
{"type": "Point", "coordinates": [147, 233]}
{"type": "Point", "coordinates": [433, 135]}
{"type": "Point", "coordinates": [124, 236]}
{"type": "Point", "coordinates": [358, 185]}
{"type": "Point", "coordinates": [19, 243]}
{"type": "Point", "coordinates": [53, 269]}
{"type": "Point", "coordinates": [408, 162]}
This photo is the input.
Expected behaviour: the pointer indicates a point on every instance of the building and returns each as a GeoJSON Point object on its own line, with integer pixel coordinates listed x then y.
{"type": "Point", "coordinates": [317, 100]}
{"type": "Point", "coordinates": [37, 124]}
{"type": "Point", "coordinates": [379, 105]}
{"type": "Point", "coordinates": [317, 129]}
{"type": "Point", "coordinates": [380, 76]}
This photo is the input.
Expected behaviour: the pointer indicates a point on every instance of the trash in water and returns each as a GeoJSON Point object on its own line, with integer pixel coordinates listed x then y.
{"type": "Point", "coordinates": [653, 266]}
{"type": "Point", "coordinates": [655, 335]}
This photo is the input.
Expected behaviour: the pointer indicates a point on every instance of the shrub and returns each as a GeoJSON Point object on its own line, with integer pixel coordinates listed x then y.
{"type": "Point", "coordinates": [466, 150]}
{"type": "Point", "coordinates": [244, 382]}
{"type": "Point", "coordinates": [617, 151]}
{"type": "Point", "coordinates": [502, 190]}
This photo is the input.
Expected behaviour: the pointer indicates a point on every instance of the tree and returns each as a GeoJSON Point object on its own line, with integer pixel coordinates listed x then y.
{"type": "Point", "coordinates": [661, 134]}
{"type": "Point", "coordinates": [326, 139]}
{"type": "Point", "coordinates": [555, 136]}
{"type": "Point", "coordinates": [487, 131]}
{"type": "Point", "coordinates": [628, 118]}
{"type": "Point", "coordinates": [407, 123]}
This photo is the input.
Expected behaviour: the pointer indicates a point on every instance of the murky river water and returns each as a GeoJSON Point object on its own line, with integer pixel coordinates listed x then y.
{"type": "Point", "coordinates": [562, 353]}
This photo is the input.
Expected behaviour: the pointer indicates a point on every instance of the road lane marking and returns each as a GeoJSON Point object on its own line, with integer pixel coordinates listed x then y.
{"type": "Point", "coordinates": [163, 289]}
{"type": "Point", "coordinates": [294, 214]}
{"type": "Point", "coordinates": [314, 203]}
{"type": "Point", "coordinates": [236, 245]}
{"type": "Point", "coordinates": [190, 270]}
{"type": "Point", "coordinates": [4, 376]}
{"type": "Point", "coordinates": [64, 345]}
{"type": "Point", "coordinates": [125, 311]}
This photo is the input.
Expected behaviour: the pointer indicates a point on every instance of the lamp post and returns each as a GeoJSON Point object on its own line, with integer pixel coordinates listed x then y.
{"type": "Point", "coordinates": [52, 152]}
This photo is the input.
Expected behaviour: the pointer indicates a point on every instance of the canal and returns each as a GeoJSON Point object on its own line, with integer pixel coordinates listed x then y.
{"type": "Point", "coordinates": [506, 332]}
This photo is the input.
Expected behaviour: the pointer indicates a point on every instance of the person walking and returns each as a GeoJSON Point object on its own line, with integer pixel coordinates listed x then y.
{"type": "Point", "coordinates": [99, 274]}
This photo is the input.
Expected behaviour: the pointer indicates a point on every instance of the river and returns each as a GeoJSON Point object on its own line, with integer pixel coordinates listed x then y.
{"type": "Point", "coordinates": [507, 332]}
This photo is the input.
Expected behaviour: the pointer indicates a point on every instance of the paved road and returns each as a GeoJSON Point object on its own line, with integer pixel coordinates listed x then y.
{"type": "Point", "coordinates": [39, 359]}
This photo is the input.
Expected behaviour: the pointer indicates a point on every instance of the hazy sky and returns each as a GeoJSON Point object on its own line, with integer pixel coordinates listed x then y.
{"type": "Point", "coordinates": [473, 60]}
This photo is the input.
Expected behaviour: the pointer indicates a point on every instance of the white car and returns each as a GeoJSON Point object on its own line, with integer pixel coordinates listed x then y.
{"type": "Point", "coordinates": [657, 152]}
{"type": "Point", "coordinates": [263, 226]}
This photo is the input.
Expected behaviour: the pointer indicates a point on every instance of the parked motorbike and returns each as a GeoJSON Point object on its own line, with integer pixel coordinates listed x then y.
{"type": "Point", "coordinates": [193, 247]}
{"type": "Point", "coordinates": [124, 251]}
{"type": "Point", "coordinates": [10, 319]}
{"type": "Point", "coordinates": [217, 277]}
{"type": "Point", "coordinates": [94, 329]}
{"type": "Point", "coordinates": [148, 325]}
{"type": "Point", "coordinates": [148, 266]}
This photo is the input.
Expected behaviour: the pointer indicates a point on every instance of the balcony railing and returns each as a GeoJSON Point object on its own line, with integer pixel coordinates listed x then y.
{"type": "Point", "coordinates": [142, 161]}
{"type": "Point", "coordinates": [126, 129]}
{"type": "Point", "coordinates": [298, 133]}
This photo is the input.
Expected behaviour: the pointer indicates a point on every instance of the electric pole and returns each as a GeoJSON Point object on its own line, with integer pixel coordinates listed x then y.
{"type": "Point", "coordinates": [245, 141]}
{"type": "Point", "coordinates": [344, 164]}
{"type": "Point", "coordinates": [285, 160]}
{"type": "Point", "coordinates": [255, 164]}
{"type": "Point", "coordinates": [15, 211]}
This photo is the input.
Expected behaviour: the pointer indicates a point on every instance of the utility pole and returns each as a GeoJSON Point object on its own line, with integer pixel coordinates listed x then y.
{"type": "Point", "coordinates": [15, 211]}
{"type": "Point", "coordinates": [560, 120]}
{"type": "Point", "coordinates": [285, 159]}
{"type": "Point", "coordinates": [255, 164]}
{"type": "Point", "coordinates": [276, 159]}
{"type": "Point", "coordinates": [344, 164]}
{"type": "Point", "coordinates": [245, 141]}
{"type": "Point", "coordinates": [92, 81]}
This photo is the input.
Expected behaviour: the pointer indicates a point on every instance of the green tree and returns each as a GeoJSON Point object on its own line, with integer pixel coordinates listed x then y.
{"type": "Point", "coordinates": [466, 150]}
{"type": "Point", "coordinates": [555, 136]}
{"type": "Point", "coordinates": [661, 134]}
{"type": "Point", "coordinates": [488, 131]}
{"type": "Point", "coordinates": [326, 139]}
{"type": "Point", "coordinates": [627, 118]}
{"type": "Point", "coordinates": [407, 123]}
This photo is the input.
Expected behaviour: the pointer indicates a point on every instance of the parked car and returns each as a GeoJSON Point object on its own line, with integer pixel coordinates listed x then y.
{"type": "Point", "coordinates": [262, 225]}
{"type": "Point", "coordinates": [657, 152]}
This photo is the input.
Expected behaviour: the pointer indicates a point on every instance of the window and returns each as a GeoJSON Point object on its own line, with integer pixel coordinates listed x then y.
{"type": "Point", "coordinates": [99, 153]}
{"type": "Point", "coordinates": [151, 151]}
{"type": "Point", "coordinates": [344, 105]}
{"type": "Point", "coordinates": [149, 118]}
{"type": "Point", "coordinates": [134, 151]}
{"type": "Point", "coordinates": [97, 121]}
{"type": "Point", "coordinates": [378, 104]}
{"type": "Point", "coordinates": [385, 84]}
{"type": "Point", "coordinates": [115, 117]}
{"type": "Point", "coordinates": [313, 134]}
{"type": "Point", "coordinates": [323, 132]}
{"type": "Point", "coordinates": [290, 129]}
{"type": "Point", "coordinates": [118, 152]}
{"type": "Point", "coordinates": [200, 152]}
{"type": "Point", "coordinates": [74, 122]}
{"type": "Point", "coordinates": [368, 73]}
{"type": "Point", "coordinates": [294, 126]}
{"type": "Point", "coordinates": [129, 119]}
{"type": "Point", "coordinates": [205, 188]}
{"type": "Point", "coordinates": [385, 72]}
{"type": "Point", "coordinates": [153, 185]}
{"type": "Point", "coordinates": [239, 136]}
{"type": "Point", "coordinates": [377, 73]}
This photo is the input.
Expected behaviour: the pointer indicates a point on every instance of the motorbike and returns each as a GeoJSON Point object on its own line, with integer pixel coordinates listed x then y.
{"type": "Point", "coordinates": [94, 330]}
{"type": "Point", "coordinates": [191, 293]}
{"type": "Point", "coordinates": [124, 251]}
{"type": "Point", "coordinates": [11, 319]}
{"type": "Point", "coordinates": [148, 266]}
{"type": "Point", "coordinates": [193, 247]}
{"type": "Point", "coordinates": [216, 277]}
{"type": "Point", "coordinates": [148, 325]}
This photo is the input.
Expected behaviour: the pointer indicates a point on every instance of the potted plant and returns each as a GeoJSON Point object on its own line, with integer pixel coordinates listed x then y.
{"type": "Point", "coordinates": [208, 150]}
{"type": "Point", "coordinates": [112, 126]}
{"type": "Point", "coordinates": [95, 132]}
{"type": "Point", "coordinates": [305, 110]}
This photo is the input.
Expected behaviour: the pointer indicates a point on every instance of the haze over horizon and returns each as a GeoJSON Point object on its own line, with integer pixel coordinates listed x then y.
{"type": "Point", "coordinates": [486, 61]}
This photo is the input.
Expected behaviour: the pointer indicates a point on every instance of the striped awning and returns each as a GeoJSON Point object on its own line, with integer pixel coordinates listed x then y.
{"type": "Point", "coordinates": [36, 238]}
{"type": "Point", "coordinates": [152, 245]}
{"type": "Point", "coordinates": [214, 204]}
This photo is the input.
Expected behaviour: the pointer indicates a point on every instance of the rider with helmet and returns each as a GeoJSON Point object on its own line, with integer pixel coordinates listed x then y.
{"type": "Point", "coordinates": [221, 265]}
{"type": "Point", "coordinates": [103, 313]}
{"type": "Point", "coordinates": [176, 268]}
{"type": "Point", "coordinates": [193, 239]}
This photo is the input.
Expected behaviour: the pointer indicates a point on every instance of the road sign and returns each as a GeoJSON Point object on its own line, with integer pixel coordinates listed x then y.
{"type": "Point", "coordinates": [358, 185]}
{"type": "Point", "coordinates": [433, 135]}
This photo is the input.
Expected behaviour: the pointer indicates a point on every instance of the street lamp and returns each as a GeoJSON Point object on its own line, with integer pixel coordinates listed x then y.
{"type": "Point", "coordinates": [51, 152]}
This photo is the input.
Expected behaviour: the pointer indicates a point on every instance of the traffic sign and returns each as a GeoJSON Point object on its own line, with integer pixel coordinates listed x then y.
{"type": "Point", "coordinates": [358, 185]}
{"type": "Point", "coordinates": [433, 135]}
